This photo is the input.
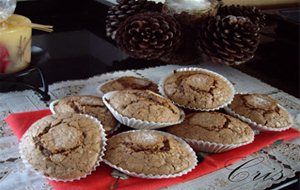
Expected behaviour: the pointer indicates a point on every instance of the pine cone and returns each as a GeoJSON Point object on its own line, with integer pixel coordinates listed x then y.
{"type": "Point", "coordinates": [253, 13]}
{"type": "Point", "coordinates": [125, 8]}
{"type": "Point", "coordinates": [148, 35]}
{"type": "Point", "coordinates": [230, 39]}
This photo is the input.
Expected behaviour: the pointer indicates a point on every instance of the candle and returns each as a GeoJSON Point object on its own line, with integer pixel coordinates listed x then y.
{"type": "Point", "coordinates": [15, 44]}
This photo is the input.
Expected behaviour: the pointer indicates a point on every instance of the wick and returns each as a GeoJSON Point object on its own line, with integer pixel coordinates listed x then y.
{"type": "Point", "coordinates": [46, 28]}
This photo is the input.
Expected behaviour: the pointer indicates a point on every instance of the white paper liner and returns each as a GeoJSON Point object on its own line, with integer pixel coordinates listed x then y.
{"type": "Point", "coordinates": [51, 106]}
{"type": "Point", "coordinates": [258, 127]}
{"type": "Point", "coordinates": [204, 146]}
{"type": "Point", "coordinates": [142, 175]}
{"type": "Point", "coordinates": [131, 75]}
{"type": "Point", "coordinates": [100, 158]}
{"type": "Point", "coordinates": [230, 98]}
{"type": "Point", "coordinates": [53, 111]}
{"type": "Point", "coordinates": [137, 123]}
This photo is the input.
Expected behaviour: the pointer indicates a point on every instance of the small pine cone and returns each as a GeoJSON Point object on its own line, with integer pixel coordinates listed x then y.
{"type": "Point", "coordinates": [254, 14]}
{"type": "Point", "coordinates": [148, 35]}
{"type": "Point", "coordinates": [125, 8]}
{"type": "Point", "coordinates": [231, 40]}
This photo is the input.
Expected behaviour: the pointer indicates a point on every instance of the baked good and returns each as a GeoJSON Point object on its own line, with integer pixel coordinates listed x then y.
{"type": "Point", "coordinates": [144, 105]}
{"type": "Point", "coordinates": [213, 127]}
{"type": "Point", "coordinates": [90, 105]}
{"type": "Point", "coordinates": [63, 146]}
{"type": "Point", "coordinates": [262, 109]}
{"type": "Point", "coordinates": [129, 82]}
{"type": "Point", "coordinates": [198, 89]}
{"type": "Point", "coordinates": [149, 152]}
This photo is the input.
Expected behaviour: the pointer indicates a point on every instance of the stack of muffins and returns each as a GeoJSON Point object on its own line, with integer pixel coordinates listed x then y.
{"type": "Point", "coordinates": [70, 144]}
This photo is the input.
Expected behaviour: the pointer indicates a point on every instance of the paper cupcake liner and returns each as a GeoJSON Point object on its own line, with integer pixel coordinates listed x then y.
{"type": "Point", "coordinates": [100, 158]}
{"type": "Point", "coordinates": [230, 98]}
{"type": "Point", "coordinates": [149, 176]}
{"type": "Point", "coordinates": [102, 93]}
{"type": "Point", "coordinates": [137, 123]}
{"type": "Point", "coordinates": [258, 127]}
{"type": "Point", "coordinates": [51, 106]}
{"type": "Point", "coordinates": [204, 146]}
{"type": "Point", "coordinates": [52, 109]}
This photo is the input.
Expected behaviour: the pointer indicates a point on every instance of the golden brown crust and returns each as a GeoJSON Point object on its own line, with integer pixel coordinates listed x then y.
{"type": "Point", "coordinates": [62, 146]}
{"type": "Point", "coordinates": [148, 152]}
{"type": "Point", "coordinates": [213, 127]}
{"type": "Point", "coordinates": [261, 109]}
{"type": "Point", "coordinates": [144, 105]}
{"type": "Point", "coordinates": [90, 105]}
{"type": "Point", "coordinates": [129, 82]}
{"type": "Point", "coordinates": [197, 89]}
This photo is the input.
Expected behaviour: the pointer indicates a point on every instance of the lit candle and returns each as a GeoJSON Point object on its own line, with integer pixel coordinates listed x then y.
{"type": "Point", "coordinates": [15, 44]}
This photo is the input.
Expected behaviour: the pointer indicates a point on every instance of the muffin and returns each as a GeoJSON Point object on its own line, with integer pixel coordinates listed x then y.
{"type": "Point", "coordinates": [260, 110]}
{"type": "Point", "coordinates": [129, 82]}
{"type": "Point", "coordinates": [213, 131]}
{"type": "Point", "coordinates": [150, 154]}
{"type": "Point", "coordinates": [90, 105]}
{"type": "Point", "coordinates": [144, 105]}
{"type": "Point", "coordinates": [64, 146]}
{"type": "Point", "coordinates": [197, 89]}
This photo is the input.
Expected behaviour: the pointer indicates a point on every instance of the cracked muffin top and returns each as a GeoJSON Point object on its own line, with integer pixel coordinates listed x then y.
{"type": "Point", "coordinates": [90, 105]}
{"type": "Point", "coordinates": [149, 152]}
{"type": "Point", "coordinates": [129, 82]}
{"type": "Point", "coordinates": [261, 109]}
{"type": "Point", "coordinates": [213, 127]}
{"type": "Point", "coordinates": [197, 89]}
{"type": "Point", "coordinates": [62, 146]}
{"type": "Point", "coordinates": [144, 105]}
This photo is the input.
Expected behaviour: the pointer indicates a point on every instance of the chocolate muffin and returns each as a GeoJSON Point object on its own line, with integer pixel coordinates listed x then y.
{"type": "Point", "coordinates": [261, 109]}
{"type": "Point", "coordinates": [198, 89]}
{"type": "Point", "coordinates": [213, 127]}
{"type": "Point", "coordinates": [63, 146]}
{"type": "Point", "coordinates": [90, 105]}
{"type": "Point", "coordinates": [144, 105]}
{"type": "Point", "coordinates": [129, 82]}
{"type": "Point", "coordinates": [150, 153]}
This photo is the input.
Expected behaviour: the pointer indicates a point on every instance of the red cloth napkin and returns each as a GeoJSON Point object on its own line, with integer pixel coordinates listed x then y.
{"type": "Point", "coordinates": [102, 179]}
